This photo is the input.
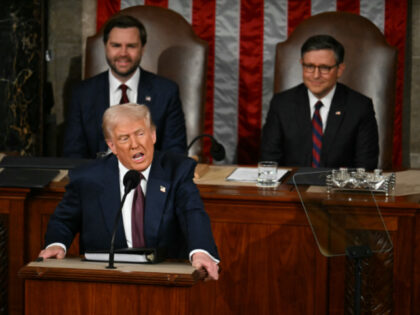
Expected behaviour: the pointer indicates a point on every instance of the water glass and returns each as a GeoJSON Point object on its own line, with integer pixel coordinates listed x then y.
{"type": "Point", "coordinates": [267, 174]}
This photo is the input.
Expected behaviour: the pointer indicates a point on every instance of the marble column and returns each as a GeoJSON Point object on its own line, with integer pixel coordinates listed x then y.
{"type": "Point", "coordinates": [21, 76]}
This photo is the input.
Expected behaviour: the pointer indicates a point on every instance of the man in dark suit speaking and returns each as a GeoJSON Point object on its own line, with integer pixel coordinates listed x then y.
{"type": "Point", "coordinates": [321, 123]}
{"type": "Point", "coordinates": [125, 39]}
{"type": "Point", "coordinates": [173, 217]}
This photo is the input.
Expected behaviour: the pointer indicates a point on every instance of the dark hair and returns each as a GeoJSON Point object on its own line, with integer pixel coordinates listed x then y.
{"type": "Point", "coordinates": [125, 21]}
{"type": "Point", "coordinates": [319, 42]}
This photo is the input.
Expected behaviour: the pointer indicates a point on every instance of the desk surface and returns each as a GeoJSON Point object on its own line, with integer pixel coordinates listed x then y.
{"type": "Point", "coordinates": [165, 273]}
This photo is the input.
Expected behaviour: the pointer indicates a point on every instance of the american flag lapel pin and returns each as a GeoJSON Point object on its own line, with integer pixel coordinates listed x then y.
{"type": "Point", "coordinates": [338, 113]}
{"type": "Point", "coordinates": [148, 98]}
{"type": "Point", "coordinates": [163, 189]}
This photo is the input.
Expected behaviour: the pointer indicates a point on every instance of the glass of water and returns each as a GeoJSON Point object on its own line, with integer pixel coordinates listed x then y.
{"type": "Point", "coordinates": [267, 174]}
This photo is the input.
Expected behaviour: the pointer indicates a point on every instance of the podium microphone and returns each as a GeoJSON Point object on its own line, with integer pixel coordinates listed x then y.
{"type": "Point", "coordinates": [130, 181]}
{"type": "Point", "coordinates": [217, 150]}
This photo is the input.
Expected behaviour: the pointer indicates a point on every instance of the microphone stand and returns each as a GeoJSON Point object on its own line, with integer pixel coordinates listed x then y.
{"type": "Point", "coordinates": [131, 180]}
{"type": "Point", "coordinates": [117, 220]}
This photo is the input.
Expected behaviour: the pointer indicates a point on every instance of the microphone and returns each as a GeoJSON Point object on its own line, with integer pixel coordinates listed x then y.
{"type": "Point", "coordinates": [131, 180]}
{"type": "Point", "coordinates": [217, 151]}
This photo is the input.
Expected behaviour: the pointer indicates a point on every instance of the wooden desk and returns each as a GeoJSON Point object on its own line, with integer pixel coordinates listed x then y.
{"type": "Point", "coordinates": [269, 256]}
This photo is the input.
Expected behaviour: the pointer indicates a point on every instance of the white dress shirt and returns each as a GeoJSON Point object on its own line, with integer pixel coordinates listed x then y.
{"type": "Point", "coordinates": [326, 105]}
{"type": "Point", "coordinates": [115, 91]}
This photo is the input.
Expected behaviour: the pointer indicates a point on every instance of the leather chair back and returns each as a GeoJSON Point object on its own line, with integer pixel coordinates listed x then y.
{"type": "Point", "coordinates": [173, 51]}
{"type": "Point", "coordinates": [371, 66]}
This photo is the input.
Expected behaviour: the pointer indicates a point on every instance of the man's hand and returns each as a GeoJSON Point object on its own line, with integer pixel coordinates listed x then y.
{"type": "Point", "coordinates": [202, 260]}
{"type": "Point", "coordinates": [53, 252]}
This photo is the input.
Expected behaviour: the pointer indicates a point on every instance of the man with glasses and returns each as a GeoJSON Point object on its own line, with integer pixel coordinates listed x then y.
{"type": "Point", "coordinates": [320, 122]}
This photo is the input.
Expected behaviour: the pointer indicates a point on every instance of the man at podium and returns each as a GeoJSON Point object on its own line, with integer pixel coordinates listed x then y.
{"type": "Point", "coordinates": [171, 216]}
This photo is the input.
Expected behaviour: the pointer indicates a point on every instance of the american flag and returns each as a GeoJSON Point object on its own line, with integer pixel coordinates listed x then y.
{"type": "Point", "coordinates": [242, 35]}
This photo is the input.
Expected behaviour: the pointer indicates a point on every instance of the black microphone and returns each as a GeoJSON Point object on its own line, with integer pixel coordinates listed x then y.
{"type": "Point", "coordinates": [130, 181]}
{"type": "Point", "coordinates": [217, 150]}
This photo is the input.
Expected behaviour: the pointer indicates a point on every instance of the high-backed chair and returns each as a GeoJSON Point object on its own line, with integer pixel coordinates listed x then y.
{"type": "Point", "coordinates": [173, 51]}
{"type": "Point", "coordinates": [371, 66]}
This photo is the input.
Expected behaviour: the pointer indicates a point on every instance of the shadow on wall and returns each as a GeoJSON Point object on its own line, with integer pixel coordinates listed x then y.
{"type": "Point", "coordinates": [73, 79]}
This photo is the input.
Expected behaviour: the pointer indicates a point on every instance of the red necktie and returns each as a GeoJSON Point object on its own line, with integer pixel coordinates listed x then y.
{"type": "Point", "coordinates": [316, 136]}
{"type": "Point", "coordinates": [137, 216]}
{"type": "Point", "coordinates": [124, 97]}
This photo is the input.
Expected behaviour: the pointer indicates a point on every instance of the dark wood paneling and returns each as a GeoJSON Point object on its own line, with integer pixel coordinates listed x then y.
{"type": "Point", "coordinates": [270, 260]}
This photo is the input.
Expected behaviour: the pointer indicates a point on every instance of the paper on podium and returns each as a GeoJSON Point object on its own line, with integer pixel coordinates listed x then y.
{"type": "Point", "coordinates": [250, 174]}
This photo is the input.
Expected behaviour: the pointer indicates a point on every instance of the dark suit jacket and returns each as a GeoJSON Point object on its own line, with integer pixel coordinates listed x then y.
{"type": "Point", "coordinates": [350, 138]}
{"type": "Point", "coordinates": [174, 213]}
{"type": "Point", "coordinates": [84, 137]}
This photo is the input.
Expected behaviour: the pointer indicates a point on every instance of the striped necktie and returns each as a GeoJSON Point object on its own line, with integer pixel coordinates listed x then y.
{"type": "Point", "coordinates": [316, 136]}
{"type": "Point", "coordinates": [124, 97]}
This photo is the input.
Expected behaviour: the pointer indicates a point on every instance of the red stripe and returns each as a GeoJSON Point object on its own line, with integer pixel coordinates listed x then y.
{"type": "Point", "coordinates": [298, 10]}
{"type": "Point", "coordinates": [351, 6]}
{"type": "Point", "coordinates": [250, 80]}
{"type": "Point", "coordinates": [395, 32]}
{"type": "Point", "coordinates": [317, 142]}
{"type": "Point", "coordinates": [157, 3]}
{"type": "Point", "coordinates": [203, 22]}
{"type": "Point", "coordinates": [105, 9]}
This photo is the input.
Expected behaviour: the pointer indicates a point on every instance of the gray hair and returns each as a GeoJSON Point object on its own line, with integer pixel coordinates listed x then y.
{"type": "Point", "coordinates": [130, 110]}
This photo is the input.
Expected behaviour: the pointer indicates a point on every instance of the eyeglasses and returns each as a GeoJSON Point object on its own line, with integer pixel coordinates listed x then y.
{"type": "Point", "coordinates": [323, 69]}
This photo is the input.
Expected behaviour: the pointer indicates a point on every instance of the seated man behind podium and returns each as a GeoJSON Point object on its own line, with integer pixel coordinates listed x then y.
{"type": "Point", "coordinates": [174, 215]}
{"type": "Point", "coordinates": [345, 130]}
{"type": "Point", "coordinates": [124, 39]}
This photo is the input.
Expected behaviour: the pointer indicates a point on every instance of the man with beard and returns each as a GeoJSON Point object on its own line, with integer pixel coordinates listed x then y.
{"type": "Point", "coordinates": [124, 39]}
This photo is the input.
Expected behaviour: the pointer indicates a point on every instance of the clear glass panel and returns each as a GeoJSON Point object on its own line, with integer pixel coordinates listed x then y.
{"type": "Point", "coordinates": [341, 219]}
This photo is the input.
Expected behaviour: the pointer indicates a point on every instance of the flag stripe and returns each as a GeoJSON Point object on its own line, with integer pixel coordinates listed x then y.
{"type": "Point", "coordinates": [374, 10]}
{"type": "Point", "coordinates": [204, 24]}
{"type": "Point", "coordinates": [130, 3]}
{"type": "Point", "coordinates": [183, 7]}
{"type": "Point", "coordinates": [298, 10]}
{"type": "Point", "coordinates": [275, 31]}
{"type": "Point", "coordinates": [250, 79]}
{"type": "Point", "coordinates": [319, 6]}
{"type": "Point", "coordinates": [226, 75]}
{"type": "Point", "coordinates": [348, 6]}
{"type": "Point", "coordinates": [157, 3]}
{"type": "Point", "coordinates": [105, 8]}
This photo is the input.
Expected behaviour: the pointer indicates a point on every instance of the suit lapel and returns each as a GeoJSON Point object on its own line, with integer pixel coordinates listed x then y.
{"type": "Point", "coordinates": [304, 125]}
{"type": "Point", "coordinates": [334, 120]}
{"type": "Point", "coordinates": [110, 198]}
{"type": "Point", "coordinates": [145, 89]}
{"type": "Point", "coordinates": [158, 187]}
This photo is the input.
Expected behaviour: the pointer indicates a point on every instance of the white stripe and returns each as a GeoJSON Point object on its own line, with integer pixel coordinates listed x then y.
{"type": "Point", "coordinates": [183, 7]}
{"type": "Point", "coordinates": [130, 3]}
{"type": "Point", "coordinates": [275, 31]}
{"type": "Point", "coordinates": [226, 71]}
{"type": "Point", "coordinates": [319, 6]}
{"type": "Point", "coordinates": [374, 10]}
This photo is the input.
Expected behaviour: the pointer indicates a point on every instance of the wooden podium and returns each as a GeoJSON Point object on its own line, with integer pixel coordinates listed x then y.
{"type": "Point", "coordinates": [72, 286]}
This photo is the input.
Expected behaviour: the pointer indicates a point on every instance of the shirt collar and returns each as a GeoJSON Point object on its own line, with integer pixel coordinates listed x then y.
{"type": "Point", "coordinates": [132, 83]}
{"type": "Point", "coordinates": [123, 170]}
